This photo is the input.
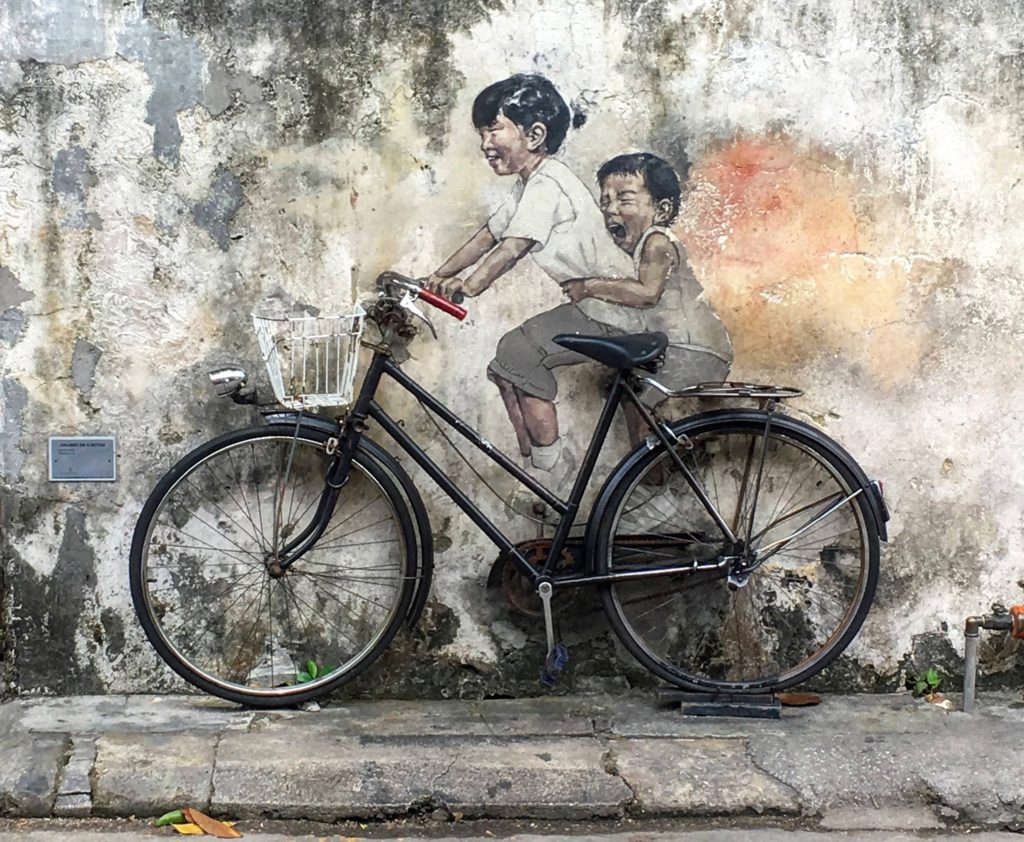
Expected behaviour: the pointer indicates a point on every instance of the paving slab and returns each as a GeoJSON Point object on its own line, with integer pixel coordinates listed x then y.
{"type": "Point", "coordinates": [966, 769]}
{"type": "Point", "coordinates": [29, 771]}
{"type": "Point", "coordinates": [293, 775]}
{"type": "Point", "coordinates": [149, 774]}
{"type": "Point", "coordinates": [705, 776]}
{"type": "Point", "coordinates": [897, 713]}
{"type": "Point", "coordinates": [885, 760]}
{"type": "Point", "coordinates": [881, 818]}
{"type": "Point", "coordinates": [542, 717]}
{"type": "Point", "coordinates": [984, 785]}
{"type": "Point", "coordinates": [127, 714]}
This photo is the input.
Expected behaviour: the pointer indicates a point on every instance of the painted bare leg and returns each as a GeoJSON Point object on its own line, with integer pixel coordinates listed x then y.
{"type": "Point", "coordinates": [635, 424]}
{"type": "Point", "coordinates": [540, 418]}
{"type": "Point", "coordinates": [638, 431]}
{"type": "Point", "coordinates": [515, 413]}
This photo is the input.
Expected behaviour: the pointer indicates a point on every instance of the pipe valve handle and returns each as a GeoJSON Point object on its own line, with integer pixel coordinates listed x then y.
{"type": "Point", "coordinates": [1017, 613]}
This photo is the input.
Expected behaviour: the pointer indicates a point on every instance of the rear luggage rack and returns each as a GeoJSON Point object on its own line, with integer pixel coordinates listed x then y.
{"type": "Point", "coordinates": [725, 389]}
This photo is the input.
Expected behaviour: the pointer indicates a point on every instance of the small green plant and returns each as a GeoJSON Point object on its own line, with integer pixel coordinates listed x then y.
{"type": "Point", "coordinates": [311, 672]}
{"type": "Point", "coordinates": [925, 683]}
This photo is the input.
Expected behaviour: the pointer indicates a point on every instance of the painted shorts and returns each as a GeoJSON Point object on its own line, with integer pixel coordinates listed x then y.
{"type": "Point", "coordinates": [527, 354]}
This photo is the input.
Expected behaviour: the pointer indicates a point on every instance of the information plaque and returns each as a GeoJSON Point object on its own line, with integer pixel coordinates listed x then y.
{"type": "Point", "coordinates": [82, 459]}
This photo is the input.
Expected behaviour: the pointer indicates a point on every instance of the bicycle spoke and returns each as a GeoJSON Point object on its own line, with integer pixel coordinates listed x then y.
{"type": "Point", "coordinates": [208, 602]}
{"type": "Point", "coordinates": [785, 615]}
{"type": "Point", "coordinates": [325, 618]}
{"type": "Point", "coordinates": [257, 532]}
{"type": "Point", "coordinates": [220, 509]}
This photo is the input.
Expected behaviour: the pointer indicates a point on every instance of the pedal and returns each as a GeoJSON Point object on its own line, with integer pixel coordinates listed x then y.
{"type": "Point", "coordinates": [556, 661]}
{"type": "Point", "coordinates": [558, 655]}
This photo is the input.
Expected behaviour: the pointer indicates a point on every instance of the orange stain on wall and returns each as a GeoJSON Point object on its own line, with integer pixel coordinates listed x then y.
{"type": "Point", "coordinates": [789, 262]}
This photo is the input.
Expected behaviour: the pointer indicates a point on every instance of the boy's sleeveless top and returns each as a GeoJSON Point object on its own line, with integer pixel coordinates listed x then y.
{"type": "Point", "coordinates": [682, 312]}
{"type": "Point", "coordinates": [556, 210]}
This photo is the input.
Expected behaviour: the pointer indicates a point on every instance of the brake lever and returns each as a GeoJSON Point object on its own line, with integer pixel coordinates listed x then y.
{"type": "Point", "coordinates": [406, 303]}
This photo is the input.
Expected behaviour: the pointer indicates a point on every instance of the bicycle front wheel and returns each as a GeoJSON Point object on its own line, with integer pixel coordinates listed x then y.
{"type": "Point", "coordinates": [808, 519]}
{"type": "Point", "coordinates": [203, 556]}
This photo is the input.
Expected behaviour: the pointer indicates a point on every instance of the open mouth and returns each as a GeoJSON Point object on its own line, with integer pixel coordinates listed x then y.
{"type": "Point", "coordinates": [617, 230]}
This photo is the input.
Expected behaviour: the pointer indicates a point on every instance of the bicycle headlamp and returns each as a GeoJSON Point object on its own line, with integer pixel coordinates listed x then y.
{"type": "Point", "coordinates": [228, 381]}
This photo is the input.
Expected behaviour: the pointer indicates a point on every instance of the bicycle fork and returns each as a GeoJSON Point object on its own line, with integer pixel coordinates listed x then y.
{"type": "Point", "coordinates": [334, 479]}
{"type": "Point", "coordinates": [342, 447]}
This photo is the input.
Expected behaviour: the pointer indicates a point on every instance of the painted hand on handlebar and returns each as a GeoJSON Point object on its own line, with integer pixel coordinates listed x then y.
{"type": "Point", "coordinates": [454, 289]}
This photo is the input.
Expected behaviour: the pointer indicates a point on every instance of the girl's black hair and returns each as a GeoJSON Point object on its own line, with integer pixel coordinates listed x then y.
{"type": "Point", "coordinates": [525, 98]}
{"type": "Point", "coordinates": [659, 177]}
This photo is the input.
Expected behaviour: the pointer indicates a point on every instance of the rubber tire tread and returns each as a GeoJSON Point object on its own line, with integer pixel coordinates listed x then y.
{"type": "Point", "coordinates": [186, 463]}
{"type": "Point", "coordinates": [754, 421]}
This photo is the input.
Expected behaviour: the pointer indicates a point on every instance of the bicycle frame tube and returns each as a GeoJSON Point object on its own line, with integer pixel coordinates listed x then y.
{"type": "Point", "coordinates": [339, 468]}
{"type": "Point", "coordinates": [568, 509]}
{"type": "Point", "coordinates": [467, 432]}
{"type": "Point", "coordinates": [689, 477]}
{"type": "Point", "coordinates": [366, 407]}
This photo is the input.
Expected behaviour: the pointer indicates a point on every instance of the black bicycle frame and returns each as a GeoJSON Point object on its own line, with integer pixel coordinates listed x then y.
{"type": "Point", "coordinates": [366, 407]}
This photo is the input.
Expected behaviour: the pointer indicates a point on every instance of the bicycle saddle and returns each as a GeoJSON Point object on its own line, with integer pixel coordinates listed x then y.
{"type": "Point", "coordinates": [630, 351]}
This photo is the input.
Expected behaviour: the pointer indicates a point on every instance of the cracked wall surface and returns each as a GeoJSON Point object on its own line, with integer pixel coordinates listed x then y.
{"type": "Point", "coordinates": [853, 211]}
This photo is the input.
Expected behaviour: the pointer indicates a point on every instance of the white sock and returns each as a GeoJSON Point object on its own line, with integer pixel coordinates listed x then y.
{"type": "Point", "coordinates": [545, 458]}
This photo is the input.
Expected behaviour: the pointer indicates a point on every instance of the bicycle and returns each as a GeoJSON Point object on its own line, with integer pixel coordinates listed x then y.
{"type": "Point", "coordinates": [735, 550]}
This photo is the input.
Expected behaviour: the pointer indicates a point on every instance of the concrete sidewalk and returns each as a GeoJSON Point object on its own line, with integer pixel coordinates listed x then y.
{"type": "Point", "coordinates": [859, 762]}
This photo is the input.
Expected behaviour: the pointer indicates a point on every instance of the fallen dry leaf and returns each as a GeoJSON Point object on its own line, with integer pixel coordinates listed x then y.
{"type": "Point", "coordinates": [189, 829]}
{"type": "Point", "coordinates": [210, 826]}
{"type": "Point", "coordinates": [939, 700]}
{"type": "Point", "coordinates": [798, 699]}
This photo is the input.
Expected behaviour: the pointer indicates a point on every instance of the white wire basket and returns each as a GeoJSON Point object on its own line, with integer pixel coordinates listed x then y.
{"type": "Point", "coordinates": [311, 360]}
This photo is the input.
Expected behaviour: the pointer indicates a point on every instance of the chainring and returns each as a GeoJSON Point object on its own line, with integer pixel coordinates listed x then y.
{"type": "Point", "coordinates": [520, 592]}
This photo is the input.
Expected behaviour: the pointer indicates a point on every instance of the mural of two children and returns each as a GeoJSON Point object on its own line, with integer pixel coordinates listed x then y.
{"type": "Point", "coordinates": [620, 265]}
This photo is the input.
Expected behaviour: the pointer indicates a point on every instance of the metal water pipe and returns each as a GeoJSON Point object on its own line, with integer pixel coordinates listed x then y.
{"type": "Point", "coordinates": [1011, 621]}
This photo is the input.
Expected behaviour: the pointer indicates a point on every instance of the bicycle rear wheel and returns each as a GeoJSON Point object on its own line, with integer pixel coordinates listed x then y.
{"type": "Point", "coordinates": [797, 611]}
{"type": "Point", "coordinates": [201, 568]}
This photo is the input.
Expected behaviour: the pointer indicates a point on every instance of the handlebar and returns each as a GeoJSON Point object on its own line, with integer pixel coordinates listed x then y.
{"type": "Point", "coordinates": [451, 307]}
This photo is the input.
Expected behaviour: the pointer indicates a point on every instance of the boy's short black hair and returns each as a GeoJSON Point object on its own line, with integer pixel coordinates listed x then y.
{"type": "Point", "coordinates": [659, 177]}
{"type": "Point", "coordinates": [525, 98]}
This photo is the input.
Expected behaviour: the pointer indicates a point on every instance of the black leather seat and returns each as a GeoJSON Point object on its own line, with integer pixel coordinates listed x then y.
{"type": "Point", "coordinates": [630, 351]}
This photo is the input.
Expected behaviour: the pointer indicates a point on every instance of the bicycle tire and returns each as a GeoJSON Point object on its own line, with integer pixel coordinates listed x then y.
{"type": "Point", "coordinates": [202, 535]}
{"type": "Point", "coordinates": [774, 631]}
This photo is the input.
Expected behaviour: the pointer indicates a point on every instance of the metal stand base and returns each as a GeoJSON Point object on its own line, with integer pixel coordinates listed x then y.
{"type": "Point", "coordinates": [749, 705]}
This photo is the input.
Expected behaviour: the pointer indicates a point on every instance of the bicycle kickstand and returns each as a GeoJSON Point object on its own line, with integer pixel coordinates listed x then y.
{"type": "Point", "coordinates": [558, 655]}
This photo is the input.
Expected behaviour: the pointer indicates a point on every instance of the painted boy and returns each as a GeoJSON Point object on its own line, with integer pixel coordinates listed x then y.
{"type": "Point", "coordinates": [640, 198]}
{"type": "Point", "coordinates": [550, 215]}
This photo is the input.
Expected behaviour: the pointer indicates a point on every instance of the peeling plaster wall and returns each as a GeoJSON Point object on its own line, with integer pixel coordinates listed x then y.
{"type": "Point", "coordinates": [854, 212]}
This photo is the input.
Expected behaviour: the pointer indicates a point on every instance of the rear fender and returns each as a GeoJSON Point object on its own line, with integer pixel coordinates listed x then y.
{"type": "Point", "coordinates": [872, 489]}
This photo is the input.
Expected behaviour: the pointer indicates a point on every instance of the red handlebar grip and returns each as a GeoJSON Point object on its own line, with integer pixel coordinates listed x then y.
{"type": "Point", "coordinates": [451, 308]}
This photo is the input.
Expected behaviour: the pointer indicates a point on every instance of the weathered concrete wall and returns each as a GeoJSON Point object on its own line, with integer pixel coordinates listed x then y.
{"type": "Point", "coordinates": [854, 214]}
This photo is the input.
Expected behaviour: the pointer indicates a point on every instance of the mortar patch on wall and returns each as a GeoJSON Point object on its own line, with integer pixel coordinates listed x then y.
{"type": "Point", "coordinates": [83, 367]}
{"type": "Point", "coordinates": [215, 212]}
{"type": "Point", "coordinates": [174, 64]}
{"type": "Point", "coordinates": [11, 292]}
{"type": "Point", "coordinates": [12, 320]}
{"type": "Point", "coordinates": [15, 398]}
{"type": "Point", "coordinates": [73, 177]}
